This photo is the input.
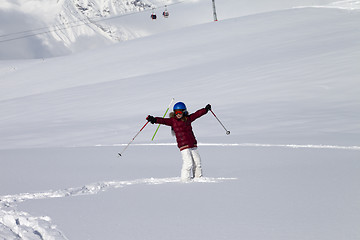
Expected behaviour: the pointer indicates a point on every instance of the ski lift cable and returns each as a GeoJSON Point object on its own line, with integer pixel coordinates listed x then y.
{"type": "Point", "coordinates": [59, 28]}
{"type": "Point", "coordinates": [35, 34]}
{"type": "Point", "coordinates": [65, 24]}
{"type": "Point", "coordinates": [56, 27]}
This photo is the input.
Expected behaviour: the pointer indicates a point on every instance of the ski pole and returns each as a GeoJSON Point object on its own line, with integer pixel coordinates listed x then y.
{"type": "Point", "coordinates": [120, 154]}
{"type": "Point", "coordinates": [172, 100]}
{"type": "Point", "coordinates": [227, 131]}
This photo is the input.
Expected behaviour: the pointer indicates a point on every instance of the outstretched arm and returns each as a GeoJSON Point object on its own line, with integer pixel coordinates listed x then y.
{"type": "Point", "coordinates": [165, 121]}
{"type": "Point", "coordinates": [199, 113]}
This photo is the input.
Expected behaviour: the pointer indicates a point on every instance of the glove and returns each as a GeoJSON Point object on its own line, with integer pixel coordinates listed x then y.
{"type": "Point", "coordinates": [151, 119]}
{"type": "Point", "coordinates": [208, 107]}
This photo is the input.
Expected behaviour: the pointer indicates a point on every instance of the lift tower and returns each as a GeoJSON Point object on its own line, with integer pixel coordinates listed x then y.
{"type": "Point", "coordinates": [214, 10]}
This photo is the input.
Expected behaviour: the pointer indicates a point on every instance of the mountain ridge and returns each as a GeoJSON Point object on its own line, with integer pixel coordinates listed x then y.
{"type": "Point", "coordinates": [66, 26]}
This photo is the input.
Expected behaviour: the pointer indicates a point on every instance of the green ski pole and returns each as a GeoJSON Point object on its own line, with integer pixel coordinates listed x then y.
{"type": "Point", "coordinates": [172, 100]}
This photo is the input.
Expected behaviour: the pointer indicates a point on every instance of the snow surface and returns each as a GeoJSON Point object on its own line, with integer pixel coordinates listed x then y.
{"type": "Point", "coordinates": [282, 77]}
{"type": "Point", "coordinates": [43, 29]}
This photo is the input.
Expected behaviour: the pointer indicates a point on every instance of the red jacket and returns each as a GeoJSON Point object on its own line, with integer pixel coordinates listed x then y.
{"type": "Point", "coordinates": [182, 127]}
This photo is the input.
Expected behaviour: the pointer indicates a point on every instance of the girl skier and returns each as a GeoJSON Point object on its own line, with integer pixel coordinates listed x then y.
{"type": "Point", "coordinates": [180, 122]}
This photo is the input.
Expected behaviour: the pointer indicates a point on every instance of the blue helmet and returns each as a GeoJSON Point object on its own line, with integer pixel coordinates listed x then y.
{"type": "Point", "coordinates": [179, 106]}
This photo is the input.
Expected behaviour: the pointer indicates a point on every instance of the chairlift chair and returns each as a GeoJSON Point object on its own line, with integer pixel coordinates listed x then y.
{"type": "Point", "coordinates": [166, 13]}
{"type": "Point", "coordinates": [153, 14]}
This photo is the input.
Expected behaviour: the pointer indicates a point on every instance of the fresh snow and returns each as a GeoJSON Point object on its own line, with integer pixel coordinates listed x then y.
{"type": "Point", "coordinates": [281, 76]}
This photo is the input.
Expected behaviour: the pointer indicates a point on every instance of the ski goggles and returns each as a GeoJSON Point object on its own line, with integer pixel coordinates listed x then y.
{"type": "Point", "coordinates": [179, 112]}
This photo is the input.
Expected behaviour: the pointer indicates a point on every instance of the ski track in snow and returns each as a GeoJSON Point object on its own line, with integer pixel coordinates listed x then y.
{"type": "Point", "coordinates": [21, 225]}
{"type": "Point", "coordinates": [344, 4]}
{"type": "Point", "coordinates": [95, 188]}
{"type": "Point", "coordinates": [312, 146]}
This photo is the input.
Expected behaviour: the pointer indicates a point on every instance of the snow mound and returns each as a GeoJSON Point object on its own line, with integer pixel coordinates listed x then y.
{"type": "Point", "coordinates": [16, 225]}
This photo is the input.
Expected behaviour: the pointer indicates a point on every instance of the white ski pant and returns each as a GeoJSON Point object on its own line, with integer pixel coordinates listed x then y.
{"type": "Point", "coordinates": [191, 164]}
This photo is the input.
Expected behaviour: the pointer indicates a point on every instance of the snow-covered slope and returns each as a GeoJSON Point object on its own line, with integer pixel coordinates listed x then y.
{"type": "Point", "coordinates": [284, 82]}
{"type": "Point", "coordinates": [42, 29]}
{"type": "Point", "coordinates": [294, 79]}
